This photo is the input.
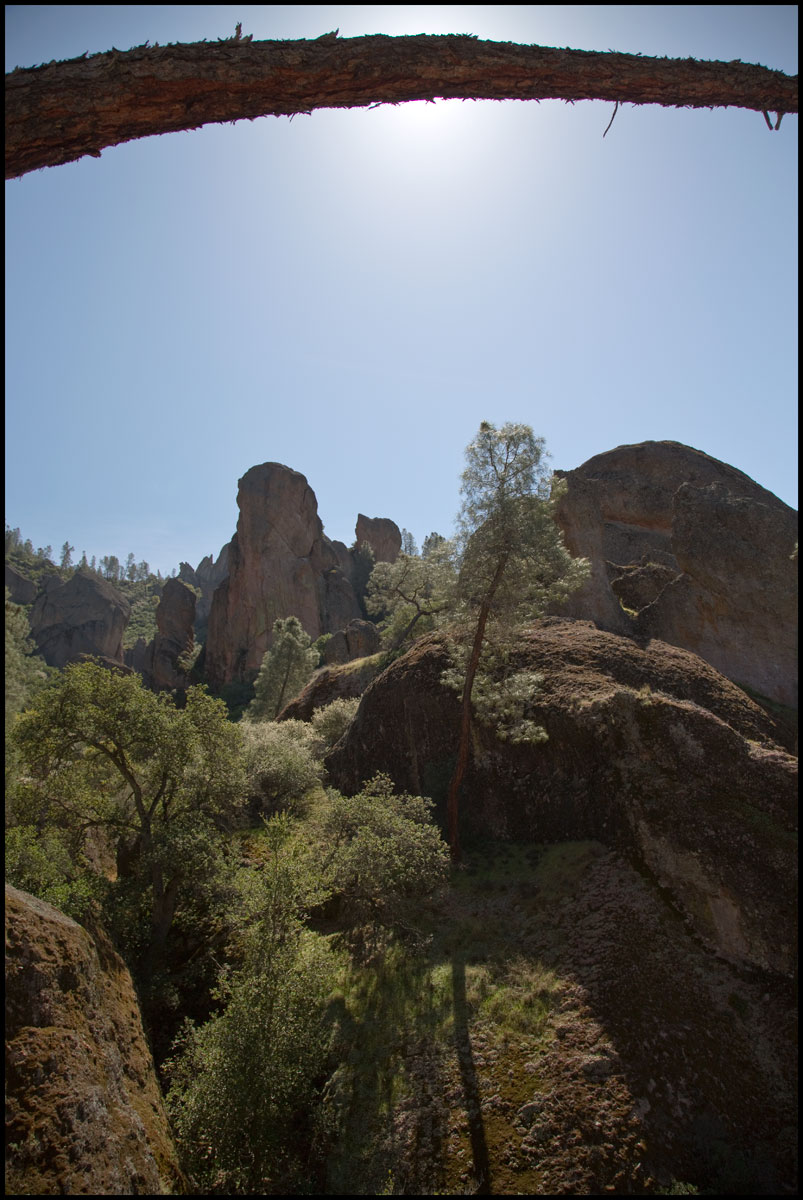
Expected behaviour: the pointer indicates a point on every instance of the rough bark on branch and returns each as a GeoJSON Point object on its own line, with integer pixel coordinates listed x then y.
{"type": "Point", "coordinates": [60, 111]}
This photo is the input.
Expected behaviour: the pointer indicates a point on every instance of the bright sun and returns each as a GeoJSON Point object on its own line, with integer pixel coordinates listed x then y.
{"type": "Point", "coordinates": [426, 125]}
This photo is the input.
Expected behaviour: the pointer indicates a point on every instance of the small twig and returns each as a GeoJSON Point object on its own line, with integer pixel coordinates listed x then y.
{"type": "Point", "coordinates": [614, 114]}
{"type": "Point", "coordinates": [769, 122]}
{"type": "Point", "coordinates": [778, 122]}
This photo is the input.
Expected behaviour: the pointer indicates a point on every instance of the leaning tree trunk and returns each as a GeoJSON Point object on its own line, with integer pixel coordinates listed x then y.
{"type": "Point", "coordinates": [452, 800]}
{"type": "Point", "coordinates": [60, 111]}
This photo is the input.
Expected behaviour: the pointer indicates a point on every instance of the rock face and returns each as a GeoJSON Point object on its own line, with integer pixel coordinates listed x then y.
{"type": "Point", "coordinates": [84, 1114]}
{"type": "Point", "coordinates": [357, 640]}
{"type": "Point", "coordinates": [85, 615]}
{"type": "Point", "coordinates": [175, 623]}
{"type": "Point", "coordinates": [381, 534]}
{"type": "Point", "coordinates": [689, 550]}
{"type": "Point", "coordinates": [735, 601]}
{"type": "Point", "coordinates": [650, 751]}
{"type": "Point", "coordinates": [280, 564]}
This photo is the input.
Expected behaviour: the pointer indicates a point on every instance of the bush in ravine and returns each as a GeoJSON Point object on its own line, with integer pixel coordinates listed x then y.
{"type": "Point", "coordinates": [280, 763]}
{"type": "Point", "coordinates": [244, 1087]}
{"type": "Point", "coordinates": [40, 861]}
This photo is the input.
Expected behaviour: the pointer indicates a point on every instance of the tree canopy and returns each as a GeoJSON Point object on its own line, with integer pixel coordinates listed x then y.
{"type": "Point", "coordinates": [101, 753]}
{"type": "Point", "coordinates": [412, 592]}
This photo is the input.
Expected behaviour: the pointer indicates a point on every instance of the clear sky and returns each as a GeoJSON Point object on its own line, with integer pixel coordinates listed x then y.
{"type": "Point", "coordinates": [351, 293]}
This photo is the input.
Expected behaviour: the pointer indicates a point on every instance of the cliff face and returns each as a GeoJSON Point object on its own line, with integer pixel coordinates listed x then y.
{"type": "Point", "coordinates": [650, 750]}
{"type": "Point", "coordinates": [689, 550]}
{"type": "Point", "coordinates": [83, 1108]}
{"type": "Point", "coordinates": [280, 564]}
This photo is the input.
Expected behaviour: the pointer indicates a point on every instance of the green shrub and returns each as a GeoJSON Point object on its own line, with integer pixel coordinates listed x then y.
{"type": "Point", "coordinates": [332, 721]}
{"type": "Point", "coordinates": [280, 764]}
{"type": "Point", "coordinates": [319, 645]}
{"type": "Point", "coordinates": [384, 853]}
{"type": "Point", "coordinates": [40, 862]}
{"type": "Point", "coordinates": [159, 786]}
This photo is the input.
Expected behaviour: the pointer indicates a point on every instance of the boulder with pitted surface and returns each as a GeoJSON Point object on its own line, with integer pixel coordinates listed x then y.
{"type": "Point", "coordinates": [689, 550]}
{"type": "Point", "coordinates": [84, 1113]}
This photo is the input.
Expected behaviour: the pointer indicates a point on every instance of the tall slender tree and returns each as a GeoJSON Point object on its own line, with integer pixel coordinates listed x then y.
{"type": "Point", "coordinates": [513, 563]}
{"type": "Point", "coordinates": [286, 668]}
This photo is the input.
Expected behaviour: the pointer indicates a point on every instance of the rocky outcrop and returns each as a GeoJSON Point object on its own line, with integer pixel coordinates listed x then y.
{"type": "Point", "coordinates": [175, 638]}
{"type": "Point", "coordinates": [357, 640]}
{"type": "Point", "coordinates": [83, 1110]}
{"type": "Point", "coordinates": [650, 751]}
{"type": "Point", "coordinates": [85, 615]}
{"type": "Point", "coordinates": [21, 589]}
{"type": "Point", "coordinates": [689, 550]}
{"type": "Point", "coordinates": [345, 681]}
{"type": "Point", "coordinates": [280, 564]}
{"type": "Point", "coordinates": [381, 534]}
{"type": "Point", "coordinates": [207, 576]}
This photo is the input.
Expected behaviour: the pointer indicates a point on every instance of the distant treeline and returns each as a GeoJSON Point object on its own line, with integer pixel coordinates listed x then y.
{"type": "Point", "coordinates": [109, 567]}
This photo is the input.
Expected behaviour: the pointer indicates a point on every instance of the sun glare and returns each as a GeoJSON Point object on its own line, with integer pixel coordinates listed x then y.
{"type": "Point", "coordinates": [427, 123]}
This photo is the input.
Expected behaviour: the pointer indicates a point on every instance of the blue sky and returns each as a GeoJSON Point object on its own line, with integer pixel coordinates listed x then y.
{"type": "Point", "coordinates": [351, 293]}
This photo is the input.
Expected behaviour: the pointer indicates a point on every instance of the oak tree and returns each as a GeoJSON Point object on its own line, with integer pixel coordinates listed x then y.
{"type": "Point", "coordinates": [98, 752]}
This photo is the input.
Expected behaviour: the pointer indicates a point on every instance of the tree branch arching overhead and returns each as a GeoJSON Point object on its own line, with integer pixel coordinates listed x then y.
{"type": "Point", "coordinates": [61, 111]}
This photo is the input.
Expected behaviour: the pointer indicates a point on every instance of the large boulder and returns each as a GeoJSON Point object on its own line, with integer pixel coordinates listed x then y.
{"type": "Point", "coordinates": [342, 681]}
{"type": "Point", "coordinates": [735, 601]}
{"type": "Point", "coordinates": [689, 550]}
{"type": "Point", "coordinates": [280, 565]}
{"type": "Point", "coordinates": [85, 615]}
{"type": "Point", "coordinates": [381, 534]}
{"type": "Point", "coordinates": [650, 750]}
{"type": "Point", "coordinates": [84, 1114]}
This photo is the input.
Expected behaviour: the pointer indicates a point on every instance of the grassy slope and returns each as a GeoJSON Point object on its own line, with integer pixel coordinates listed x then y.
{"type": "Point", "coordinates": [561, 1033]}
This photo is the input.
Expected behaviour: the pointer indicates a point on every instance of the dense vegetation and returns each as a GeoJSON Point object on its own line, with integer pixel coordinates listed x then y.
{"type": "Point", "coordinates": [237, 888]}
